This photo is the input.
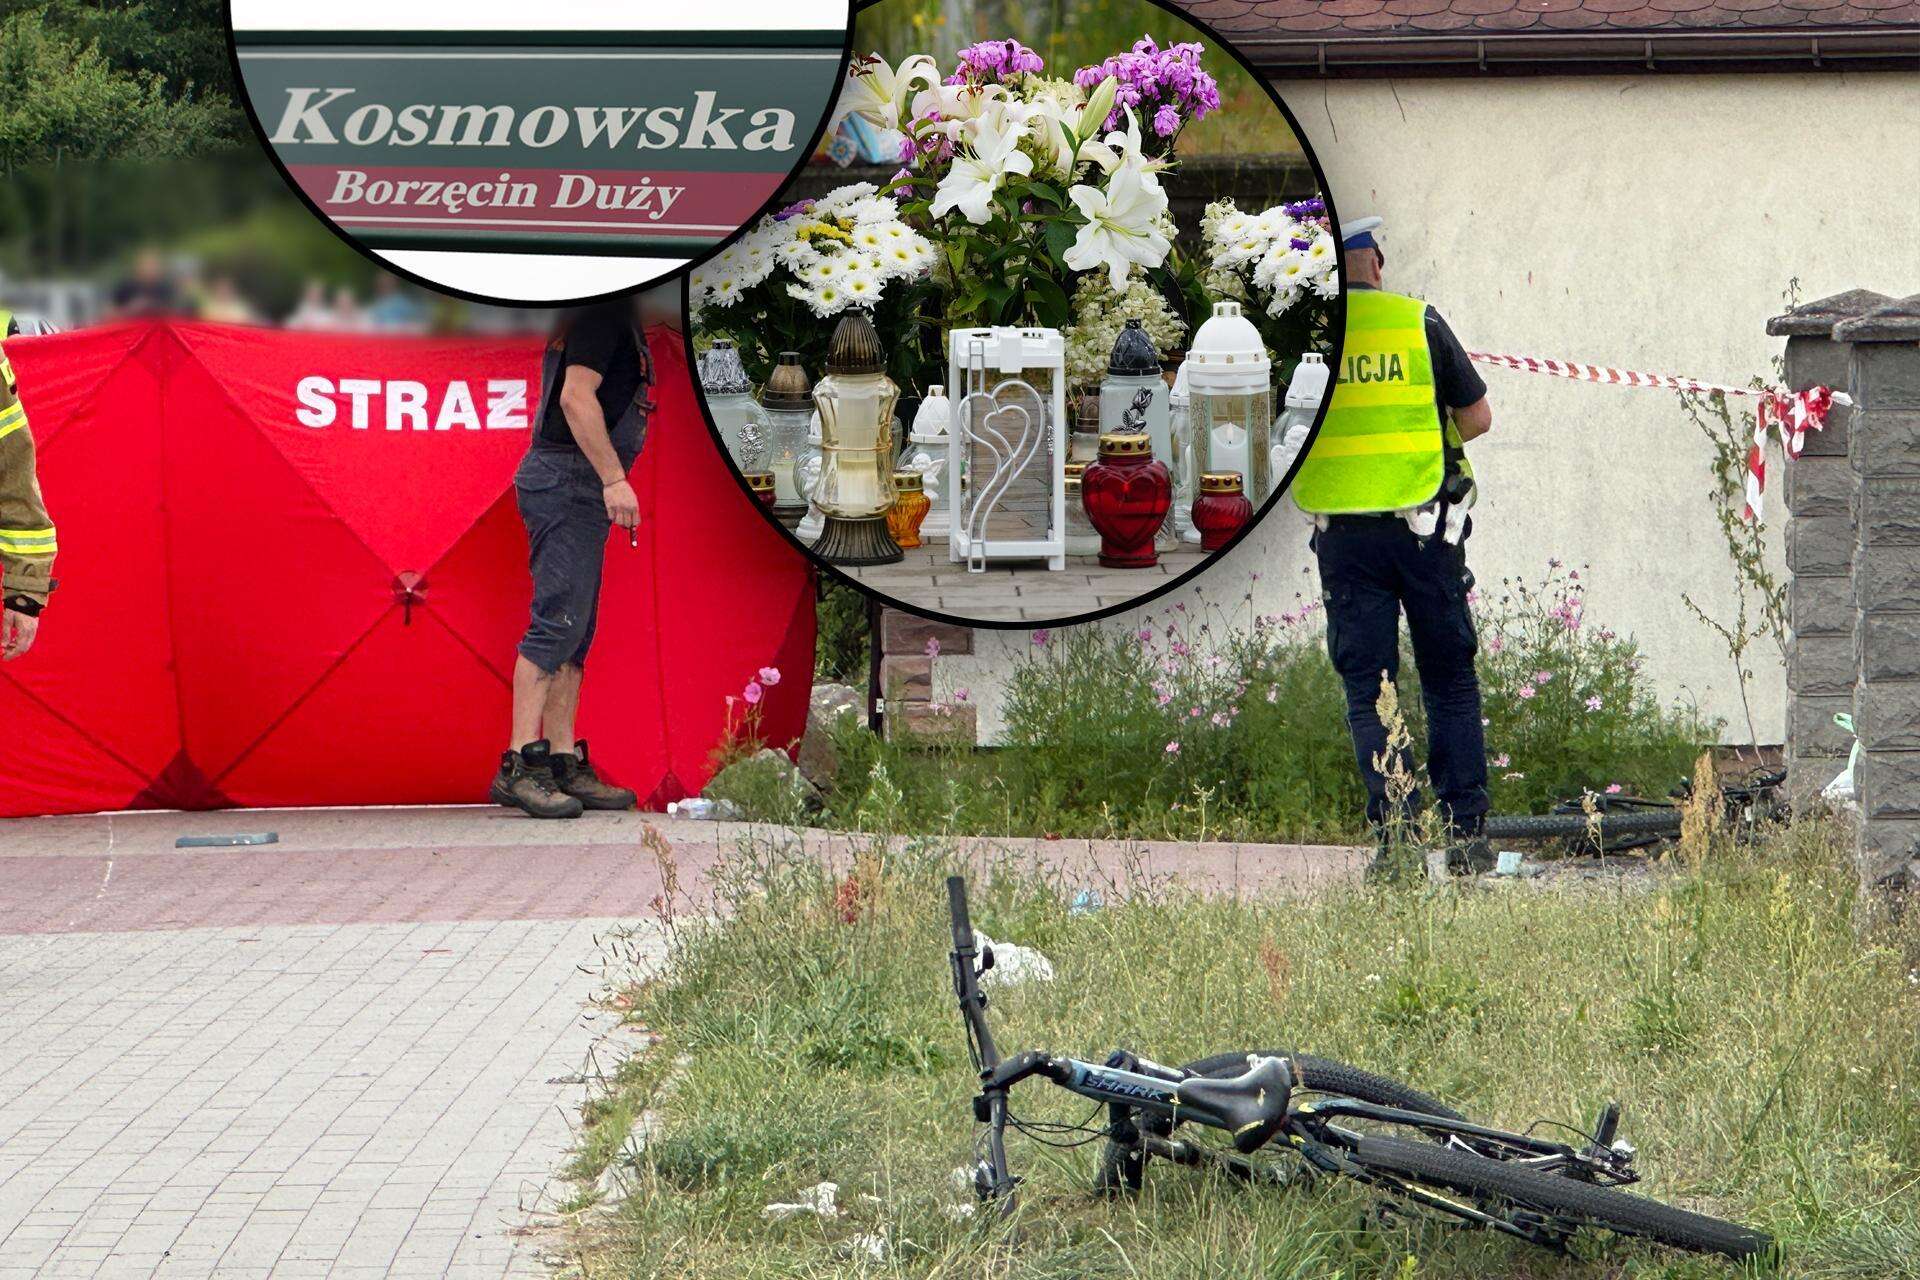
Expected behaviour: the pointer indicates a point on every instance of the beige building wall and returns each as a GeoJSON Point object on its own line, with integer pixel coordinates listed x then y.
{"type": "Point", "coordinates": [1652, 222]}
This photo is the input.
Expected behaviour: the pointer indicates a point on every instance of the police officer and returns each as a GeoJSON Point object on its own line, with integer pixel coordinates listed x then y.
{"type": "Point", "coordinates": [26, 531]}
{"type": "Point", "coordinates": [1388, 484]}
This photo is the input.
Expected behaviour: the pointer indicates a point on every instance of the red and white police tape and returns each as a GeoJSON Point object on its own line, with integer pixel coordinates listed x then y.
{"type": "Point", "coordinates": [1795, 412]}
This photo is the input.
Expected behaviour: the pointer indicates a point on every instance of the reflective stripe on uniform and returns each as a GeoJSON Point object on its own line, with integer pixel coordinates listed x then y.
{"type": "Point", "coordinates": [12, 418]}
{"type": "Point", "coordinates": [28, 542]}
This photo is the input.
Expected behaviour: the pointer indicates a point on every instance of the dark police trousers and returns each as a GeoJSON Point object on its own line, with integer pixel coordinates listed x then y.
{"type": "Point", "coordinates": [1371, 569]}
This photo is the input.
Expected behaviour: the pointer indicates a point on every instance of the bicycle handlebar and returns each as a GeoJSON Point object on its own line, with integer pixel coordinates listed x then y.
{"type": "Point", "coordinates": [957, 907]}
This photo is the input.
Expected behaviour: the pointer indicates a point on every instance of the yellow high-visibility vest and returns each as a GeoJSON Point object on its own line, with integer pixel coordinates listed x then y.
{"type": "Point", "coordinates": [1382, 446]}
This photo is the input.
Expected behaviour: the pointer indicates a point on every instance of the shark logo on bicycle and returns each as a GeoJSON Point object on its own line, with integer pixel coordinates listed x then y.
{"type": "Point", "coordinates": [1520, 1184]}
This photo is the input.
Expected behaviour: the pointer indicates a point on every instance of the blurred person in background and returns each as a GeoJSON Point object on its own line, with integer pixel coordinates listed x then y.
{"type": "Point", "coordinates": [224, 304]}
{"type": "Point", "coordinates": [395, 309]}
{"type": "Point", "coordinates": [346, 315]}
{"type": "Point", "coordinates": [312, 312]}
{"type": "Point", "coordinates": [149, 290]}
{"type": "Point", "coordinates": [26, 531]}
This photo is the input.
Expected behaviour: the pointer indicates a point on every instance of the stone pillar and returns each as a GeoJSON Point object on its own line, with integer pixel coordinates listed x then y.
{"type": "Point", "coordinates": [1884, 454]}
{"type": "Point", "coordinates": [1818, 492]}
{"type": "Point", "coordinates": [906, 677]}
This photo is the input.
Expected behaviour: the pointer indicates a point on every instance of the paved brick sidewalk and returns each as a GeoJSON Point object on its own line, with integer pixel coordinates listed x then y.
{"type": "Point", "coordinates": [346, 1099]}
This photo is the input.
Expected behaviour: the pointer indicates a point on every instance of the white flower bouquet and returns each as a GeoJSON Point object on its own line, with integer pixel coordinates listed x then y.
{"type": "Point", "coordinates": [1283, 262]}
{"type": "Point", "coordinates": [770, 289]}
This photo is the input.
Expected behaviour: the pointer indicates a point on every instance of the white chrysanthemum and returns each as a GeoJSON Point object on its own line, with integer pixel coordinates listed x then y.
{"type": "Point", "coordinates": [826, 270]}
{"type": "Point", "coordinates": [841, 198]}
{"type": "Point", "coordinates": [862, 288]}
{"type": "Point", "coordinates": [873, 209]}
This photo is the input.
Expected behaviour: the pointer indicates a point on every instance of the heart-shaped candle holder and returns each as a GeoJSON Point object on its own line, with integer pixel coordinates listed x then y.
{"type": "Point", "coordinates": [1127, 492]}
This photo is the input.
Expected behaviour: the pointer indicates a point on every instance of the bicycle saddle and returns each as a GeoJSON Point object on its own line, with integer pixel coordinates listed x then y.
{"type": "Point", "coordinates": [1251, 1106]}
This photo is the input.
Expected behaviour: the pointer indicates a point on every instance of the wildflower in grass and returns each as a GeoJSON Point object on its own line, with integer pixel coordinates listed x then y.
{"type": "Point", "coordinates": [933, 646]}
{"type": "Point", "coordinates": [1273, 693]}
{"type": "Point", "coordinates": [1514, 777]}
{"type": "Point", "coordinates": [1594, 703]}
{"type": "Point", "coordinates": [1527, 691]}
{"type": "Point", "coordinates": [962, 694]}
{"type": "Point", "coordinates": [1496, 644]}
{"type": "Point", "coordinates": [752, 694]}
{"type": "Point", "coordinates": [1500, 761]}
{"type": "Point", "coordinates": [1541, 677]}
{"type": "Point", "coordinates": [1613, 788]}
{"type": "Point", "coordinates": [1173, 748]}
{"type": "Point", "coordinates": [1040, 638]}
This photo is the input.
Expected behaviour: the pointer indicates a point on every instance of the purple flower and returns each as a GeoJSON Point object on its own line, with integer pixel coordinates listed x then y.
{"type": "Point", "coordinates": [933, 646]}
{"type": "Point", "coordinates": [1593, 703]}
{"type": "Point", "coordinates": [1526, 691]}
{"type": "Point", "coordinates": [994, 61]}
{"type": "Point", "coordinates": [752, 693]}
{"type": "Point", "coordinates": [1040, 638]}
{"type": "Point", "coordinates": [1166, 121]}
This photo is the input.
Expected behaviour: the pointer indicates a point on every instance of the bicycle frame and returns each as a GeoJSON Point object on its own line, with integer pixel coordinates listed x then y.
{"type": "Point", "coordinates": [1132, 1087]}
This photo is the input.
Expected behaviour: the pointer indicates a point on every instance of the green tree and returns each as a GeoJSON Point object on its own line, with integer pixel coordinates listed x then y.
{"type": "Point", "coordinates": [64, 99]}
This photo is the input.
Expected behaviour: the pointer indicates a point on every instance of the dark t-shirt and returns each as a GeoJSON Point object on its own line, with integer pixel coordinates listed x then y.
{"type": "Point", "coordinates": [603, 338]}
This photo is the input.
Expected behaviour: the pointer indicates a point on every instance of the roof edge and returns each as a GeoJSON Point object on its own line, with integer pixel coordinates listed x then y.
{"type": "Point", "coordinates": [1584, 52]}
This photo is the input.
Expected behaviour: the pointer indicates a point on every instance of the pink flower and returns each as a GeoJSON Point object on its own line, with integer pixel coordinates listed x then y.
{"type": "Point", "coordinates": [1613, 788]}
{"type": "Point", "coordinates": [1500, 761]}
{"type": "Point", "coordinates": [1146, 635]}
{"type": "Point", "coordinates": [1526, 691]}
{"type": "Point", "coordinates": [1040, 638]}
{"type": "Point", "coordinates": [1173, 748]}
{"type": "Point", "coordinates": [961, 695]}
{"type": "Point", "coordinates": [1194, 714]}
{"type": "Point", "coordinates": [1541, 677]}
{"type": "Point", "coordinates": [769, 676]}
{"type": "Point", "coordinates": [1593, 703]}
{"type": "Point", "coordinates": [752, 693]}
{"type": "Point", "coordinates": [1273, 693]}
{"type": "Point", "coordinates": [1496, 644]}
{"type": "Point", "coordinates": [933, 646]}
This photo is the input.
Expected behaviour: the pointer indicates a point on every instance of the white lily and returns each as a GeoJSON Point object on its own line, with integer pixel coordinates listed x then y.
{"type": "Point", "coordinates": [991, 155]}
{"type": "Point", "coordinates": [1122, 149]}
{"type": "Point", "coordinates": [956, 104]}
{"type": "Point", "coordinates": [1122, 228]}
{"type": "Point", "coordinates": [879, 94]}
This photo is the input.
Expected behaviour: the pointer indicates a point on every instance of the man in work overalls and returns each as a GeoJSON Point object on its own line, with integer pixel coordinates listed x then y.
{"type": "Point", "coordinates": [572, 489]}
{"type": "Point", "coordinates": [1388, 484]}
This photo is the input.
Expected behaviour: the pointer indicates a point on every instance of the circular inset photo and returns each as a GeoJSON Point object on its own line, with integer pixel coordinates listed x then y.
{"type": "Point", "coordinates": [1045, 324]}
{"type": "Point", "coordinates": [543, 154]}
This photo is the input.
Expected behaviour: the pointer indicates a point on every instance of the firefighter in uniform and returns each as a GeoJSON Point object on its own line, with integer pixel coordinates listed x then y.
{"type": "Point", "coordinates": [26, 532]}
{"type": "Point", "coordinates": [1388, 483]}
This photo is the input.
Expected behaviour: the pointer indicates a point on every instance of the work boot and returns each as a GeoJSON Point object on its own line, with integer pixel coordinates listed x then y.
{"type": "Point", "coordinates": [526, 782]}
{"type": "Point", "coordinates": [573, 773]}
{"type": "Point", "coordinates": [1470, 855]}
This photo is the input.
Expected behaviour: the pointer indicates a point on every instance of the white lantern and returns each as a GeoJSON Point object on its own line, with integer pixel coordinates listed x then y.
{"type": "Point", "coordinates": [1305, 391]}
{"type": "Point", "coordinates": [927, 454]}
{"type": "Point", "coordinates": [1230, 379]}
{"type": "Point", "coordinates": [1008, 442]}
{"type": "Point", "coordinates": [788, 401]}
{"type": "Point", "coordinates": [745, 432]}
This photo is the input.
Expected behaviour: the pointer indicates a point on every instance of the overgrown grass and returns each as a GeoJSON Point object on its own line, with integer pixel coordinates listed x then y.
{"type": "Point", "coordinates": [1767, 1056]}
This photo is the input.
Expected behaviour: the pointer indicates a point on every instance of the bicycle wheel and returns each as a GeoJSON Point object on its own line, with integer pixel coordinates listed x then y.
{"type": "Point", "coordinates": [1584, 1203]}
{"type": "Point", "coordinates": [1565, 826]}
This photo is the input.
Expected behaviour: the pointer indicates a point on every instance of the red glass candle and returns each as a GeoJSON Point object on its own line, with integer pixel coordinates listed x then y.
{"type": "Point", "coordinates": [1127, 492]}
{"type": "Point", "coordinates": [1221, 510]}
{"type": "Point", "coordinates": [765, 492]}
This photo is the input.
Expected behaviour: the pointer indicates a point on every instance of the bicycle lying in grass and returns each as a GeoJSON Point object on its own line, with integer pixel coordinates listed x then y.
{"type": "Point", "coordinates": [1620, 823]}
{"type": "Point", "coordinates": [1535, 1188]}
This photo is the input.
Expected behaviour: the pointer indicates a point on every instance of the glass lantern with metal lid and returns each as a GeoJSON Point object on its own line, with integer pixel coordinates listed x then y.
{"type": "Point", "coordinates": [856, 400]}
{"type": "Point", "coordinates": [745, 431]}
{"type": "Point", "coordinates": [1230, 384]}
{"type": "Point", "coordinates": [1133, 395]}
{"type": "Point", "coordinates": [788, 401]}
